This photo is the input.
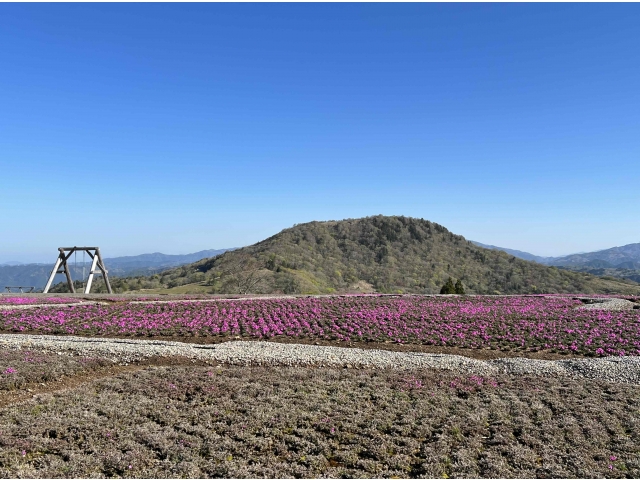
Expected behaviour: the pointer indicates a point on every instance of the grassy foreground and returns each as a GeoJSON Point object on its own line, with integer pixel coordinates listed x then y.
{"type": "Point", "coordinates": [223, 421]}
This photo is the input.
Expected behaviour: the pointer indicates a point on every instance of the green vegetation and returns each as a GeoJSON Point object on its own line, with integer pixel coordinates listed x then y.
{"type": "Point", "coordinates": [448, 288]}
{"type": "Point", "coordinates": [392, 254]}
{"type": "Point", "coordinates": [192, 421]}
{"type": "Point", "coordinates": [628, 274]}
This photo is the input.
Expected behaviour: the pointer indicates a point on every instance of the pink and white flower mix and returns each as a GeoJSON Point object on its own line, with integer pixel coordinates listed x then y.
{"type": "Point", "coordinates": [526, 323]}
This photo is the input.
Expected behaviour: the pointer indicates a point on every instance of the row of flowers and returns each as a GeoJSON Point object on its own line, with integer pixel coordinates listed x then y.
{"type": "Point", "coordinates": [529, 323]}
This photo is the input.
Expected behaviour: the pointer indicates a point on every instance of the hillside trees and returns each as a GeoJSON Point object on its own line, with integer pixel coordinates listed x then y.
{"type": "Point", "coordinates": [448, 288]}
{"type": "Point", "coordinates": [394, 254]}
{"type": "Point", "coordinates": [239, 273]}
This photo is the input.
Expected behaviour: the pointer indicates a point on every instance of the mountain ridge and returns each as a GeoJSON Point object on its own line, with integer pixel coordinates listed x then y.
{"type": "Point", "coordinates": [614, 256]}
{"type": "Point", "coordinates": [380, 253]}
{"type": "Point", "coordinates": [517, 253]}
{"type": "Point", "coordinates": [617, 262]}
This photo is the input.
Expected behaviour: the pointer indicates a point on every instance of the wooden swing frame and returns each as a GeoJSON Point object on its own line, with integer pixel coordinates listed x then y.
{"type": "Point", "coordinates": [61, 266]}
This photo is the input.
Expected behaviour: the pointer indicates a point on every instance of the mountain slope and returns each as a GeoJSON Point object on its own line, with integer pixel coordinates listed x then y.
{"type": "Point", "coordinates": [518, 253]}
{"type": "Point", "coordinates": [385, 254]}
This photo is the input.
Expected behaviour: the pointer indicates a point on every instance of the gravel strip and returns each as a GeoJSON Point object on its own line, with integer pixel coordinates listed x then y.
{"type": "Point", "coordinates": [48, 305]}
{"type": "Point", "coordinates": [607, 304]}
{"type": "Point", "coordinates": [209, 300]}
{"type": "Point", "coordinates": [613, 369]}
{"type": "Point", "coordinates": [593, 303]}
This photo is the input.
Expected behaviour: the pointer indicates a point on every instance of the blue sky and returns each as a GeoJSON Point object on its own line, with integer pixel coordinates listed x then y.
{"type": "Point", "coordinates": [182, 127]}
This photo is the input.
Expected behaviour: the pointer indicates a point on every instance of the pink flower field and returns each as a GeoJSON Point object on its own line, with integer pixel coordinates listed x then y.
{"type": "Point", "coordinates": [35, 300]}
{"type": "Point", "coordinates": [527, 323]}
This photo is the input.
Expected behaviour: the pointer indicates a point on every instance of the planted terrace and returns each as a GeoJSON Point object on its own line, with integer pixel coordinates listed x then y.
{"type": "Point", "coordinates": [521, 324]}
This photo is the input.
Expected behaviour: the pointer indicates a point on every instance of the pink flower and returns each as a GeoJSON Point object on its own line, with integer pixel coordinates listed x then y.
{"type": "Point", "coordinates": [527, 323]}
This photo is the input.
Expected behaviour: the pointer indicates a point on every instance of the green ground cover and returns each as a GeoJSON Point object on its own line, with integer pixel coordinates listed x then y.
{"type": "Point", "coordinates": [202, 421]}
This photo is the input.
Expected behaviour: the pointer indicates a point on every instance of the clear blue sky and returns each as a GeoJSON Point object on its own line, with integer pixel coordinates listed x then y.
{"type": "Point", "coordinates": [182, 127]}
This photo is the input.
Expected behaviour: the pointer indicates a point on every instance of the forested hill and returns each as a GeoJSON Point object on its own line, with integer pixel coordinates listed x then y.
{"type": "Point", "coordinates": [380, 253]}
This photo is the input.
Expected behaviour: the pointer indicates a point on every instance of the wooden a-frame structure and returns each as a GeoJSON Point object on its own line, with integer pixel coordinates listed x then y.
{"type": "Point", "coordinates": [61, 263]}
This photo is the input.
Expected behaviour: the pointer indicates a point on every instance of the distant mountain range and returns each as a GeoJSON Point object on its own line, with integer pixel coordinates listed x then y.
{"type": "Point", "coordinates": [517, 253]}
{"type": "Point", "coordinates": [374, 254]}
{"type": "Point", "coordinates": [150, 263]}
{"type": "Point", "coordinates": [618, 262]}
{"type": "Point", "coordinates": [36, 274]}
{"type": "Point", "coordinates": [627, 256]}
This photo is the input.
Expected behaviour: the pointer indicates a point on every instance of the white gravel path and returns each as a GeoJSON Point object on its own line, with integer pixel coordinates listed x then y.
{"type": "Point", "coordinates": [607, 304]}
{"type": "Point", "coordinates": [48, 305]}
{"type": "Point", "coordinates": [592, 303]}
{"type": "Point", "coordinates": [613, 369]}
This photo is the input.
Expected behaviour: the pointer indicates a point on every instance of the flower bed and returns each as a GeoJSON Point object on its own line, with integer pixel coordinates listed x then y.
{"type": "Point", "coordinates": [526, 323]}
{"type": "Point", "coordinates": [35, 300]}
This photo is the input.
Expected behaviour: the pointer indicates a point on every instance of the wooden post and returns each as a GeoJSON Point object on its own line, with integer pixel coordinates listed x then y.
{"type": "Point", "coordinates": [104, 270]}
{"type": "Point", "coordinates": [53, 273]}
{"type": "Point", "coordinates": [91, 272]}
{"type": "Point", "coordinates": [67, 272]}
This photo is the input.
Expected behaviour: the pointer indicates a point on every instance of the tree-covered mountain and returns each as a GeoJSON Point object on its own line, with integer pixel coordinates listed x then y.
{"type": "Point", "coordinates": [380, 253]}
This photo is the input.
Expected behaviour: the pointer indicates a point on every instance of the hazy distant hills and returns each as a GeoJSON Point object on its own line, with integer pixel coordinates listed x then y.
{"type": "Point", "coordinates": [517, 253]}
{"type": "Point", "coordinates": [37, 274]}
{"type": "Point", "coordinates": [627, 256]}
{"type": "Point", "coordinates": [149, 263]}
{"type": "Point", "coordinates": [29, 275]}
{"type": "Point", "coordinates": [380, 253]}
{"type": "Point", "coordinates": [618, 262]}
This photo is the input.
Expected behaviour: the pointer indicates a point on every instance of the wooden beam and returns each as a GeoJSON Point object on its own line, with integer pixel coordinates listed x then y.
{"type": "Point", "coordinates": [104, 271]}
{"type": "Point", "coordinates": [53, 273]}
{"type": "Point", "coordinates": [91, 271]}
{"type": "Point", "coordinates": [68, 275]}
